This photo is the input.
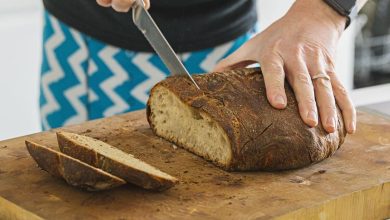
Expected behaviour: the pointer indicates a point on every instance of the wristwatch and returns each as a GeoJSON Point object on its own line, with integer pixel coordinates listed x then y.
{"type": "Point", "coordinates": [346, 8]}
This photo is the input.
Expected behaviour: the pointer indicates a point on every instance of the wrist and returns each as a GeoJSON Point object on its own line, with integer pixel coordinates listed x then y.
{"type": "Point", "coordinates": [319, 11]}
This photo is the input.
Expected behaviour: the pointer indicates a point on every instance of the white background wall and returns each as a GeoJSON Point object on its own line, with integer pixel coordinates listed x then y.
{"type": "Point", "coordinates": [20, 57]}
{"type": "Point", "coordinates": [20, 49]}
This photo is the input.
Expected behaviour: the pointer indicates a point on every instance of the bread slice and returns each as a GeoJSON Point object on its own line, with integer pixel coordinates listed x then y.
{"type": "Point", "coordinates": [115, 161]}
{"type": "Point", "coordinates": [73, 171]}
{"type": "Point", "coordinates": [230, 122]}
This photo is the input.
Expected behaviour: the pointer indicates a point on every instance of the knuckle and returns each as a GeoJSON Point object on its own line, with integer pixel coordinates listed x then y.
{"type": "Point", "coordinates": [314, 50]}
{"type": "Point", "coordinates": [316, 56]}
{"type": "Point", "coordinates": [271, 55]}
{"type": "Point", "coordinates": [274, 47]}
{"type": "Point", "coordinates": [323, 84]}
{"type": "Point", "coordinates": [276, 88]}
{"type": "Point", "coordinates": [275, 67]}
{"type": "Point", "coordinates": [308, 102]}
{"type": "Point", "coordinates": [302, 78]}
{"type": "Point", "coordinates": [298, 50]}
{"type": "Point", "coordinates": [329, 109]}
{"type": "Point", "coordinates": [278, 82]}
{"type": "Point", "coordinates": [329, 57]}
{"type": "Point", "coordinates": [330, 63]}
{"type": "Point", "coordinates": [294, 52]}
{"type": "Point", "coordinates": [311, 101]}
{"type": "Point", "coordinates": [275, 84]}
{"type": "Point", "coordinates": [341, 90]}
{"type": "Point", "coordinates": [331, 72]}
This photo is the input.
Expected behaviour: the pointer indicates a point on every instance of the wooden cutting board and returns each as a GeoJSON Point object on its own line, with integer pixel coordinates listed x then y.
{"type": "Point", "coordinates": [353, 184]}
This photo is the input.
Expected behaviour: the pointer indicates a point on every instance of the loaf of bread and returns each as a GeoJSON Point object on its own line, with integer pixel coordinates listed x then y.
{"type": "Point", "coordinates": [104, 156]}
{"type": "Point", "coordinates": [73, 171]}
{"type": "Point", "coordinates": [230, 122]}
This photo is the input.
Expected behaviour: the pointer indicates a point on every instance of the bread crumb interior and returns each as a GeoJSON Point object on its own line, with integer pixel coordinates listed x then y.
{"type": "Point", "coordinates": [188, 127]}
{"type": "Point", "coordinates": [113, 153]}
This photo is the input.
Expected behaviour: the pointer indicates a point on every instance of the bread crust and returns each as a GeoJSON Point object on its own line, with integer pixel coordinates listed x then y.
{"type": "Point", "coordinates": [261, 137]}
{"type": "Point", "coordinates": [73, 171]}
{"type": "Point", "coordinates": [130, 174]}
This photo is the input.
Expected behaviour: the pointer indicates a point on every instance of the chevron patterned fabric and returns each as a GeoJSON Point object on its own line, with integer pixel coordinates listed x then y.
{"type": "Point", "coordinates": [83, 78]}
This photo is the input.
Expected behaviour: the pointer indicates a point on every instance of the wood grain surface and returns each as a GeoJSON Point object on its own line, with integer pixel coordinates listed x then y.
{"type": "Point", "coordinates": [353, 184]}
{"type": "Point", "coordinates": [10, 211]}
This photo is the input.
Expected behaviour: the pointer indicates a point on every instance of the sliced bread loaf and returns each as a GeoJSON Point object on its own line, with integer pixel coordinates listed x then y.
{"type": "Point", "coordinates": [73, 171]}
{"type": "Point", "coordinates": [114, 161]}
{"type": "Point", "coordinates": [230, 122]}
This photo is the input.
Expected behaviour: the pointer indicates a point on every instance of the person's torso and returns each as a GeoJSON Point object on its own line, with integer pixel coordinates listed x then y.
{"type": "Point", "coordinates": [187, 25]}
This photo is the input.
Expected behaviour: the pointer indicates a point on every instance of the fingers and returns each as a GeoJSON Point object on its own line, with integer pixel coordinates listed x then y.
{"type": "Point", "coordinates": [344, 102]}
{"type": "Point", "coordinates": [299, 79]}
{"type": "Point", "coordinates": [240, 58]}
{"type": "Point", "coordinates": [121, 5]}
{"type": "Point", "coordinates": [323, 93]}
{"type": "Point", "coordinates": [329, 92]}
{"type": "Point", "coordinates": [296, 65]}
{"type": "Point", "coordinates": [326, 104]}
{"type": "Point", "coordinates": [273, 73]}
{"type": "Point", "coordinates": [272, 68]}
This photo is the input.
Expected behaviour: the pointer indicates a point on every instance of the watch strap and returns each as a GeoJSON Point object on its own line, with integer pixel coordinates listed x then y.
{"type": "Point", "coordinates": [346, 8]}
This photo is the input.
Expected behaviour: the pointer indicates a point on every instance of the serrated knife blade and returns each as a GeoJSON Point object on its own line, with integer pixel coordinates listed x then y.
{"type": "Point", "coordinates": [152, 33]}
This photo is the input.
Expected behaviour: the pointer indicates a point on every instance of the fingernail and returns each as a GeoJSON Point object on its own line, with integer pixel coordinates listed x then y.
{"type": "Point", "coordinates": [331, 123]}
{"type": "Point", "coordinates": [279, 100]}
{"type": "Point", "coordinates": [312, 116]}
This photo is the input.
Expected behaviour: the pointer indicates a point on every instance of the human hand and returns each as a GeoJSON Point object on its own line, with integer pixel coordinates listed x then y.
{"type": "Point", "coordinates": [300, 45]}
{"type": "Point", "coordinates": [121, 5]}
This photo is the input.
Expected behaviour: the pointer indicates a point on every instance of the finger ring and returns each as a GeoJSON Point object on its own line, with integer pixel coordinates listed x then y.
{"type": "Point", "coordinates": [320, 75]}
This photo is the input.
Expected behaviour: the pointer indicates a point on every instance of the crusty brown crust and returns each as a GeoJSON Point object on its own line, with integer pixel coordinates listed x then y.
{"type": "Point", "coordinates": [262, 137]}
{"type": "Point", "coordinates": [132, 175]}
{"type": "Point", "coordinates": [73, 171]}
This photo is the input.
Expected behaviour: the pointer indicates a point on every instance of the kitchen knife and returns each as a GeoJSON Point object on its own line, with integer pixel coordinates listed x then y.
{"type": "Point", "coordinates": [148, 27]}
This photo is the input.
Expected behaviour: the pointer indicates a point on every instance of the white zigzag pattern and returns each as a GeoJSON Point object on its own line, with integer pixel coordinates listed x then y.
{"type": "Point", "coordinates": [54, 74]}
{"type": "Point", "coordinates": [155, 75]}
{"type": "Point", "coordinates": [213, 57]}
{"type": "Point", "coordinates": [73, 94]}
{"type": "Point", "coordinates": [108, 86]}
{"type": "Point", "coordinates": [185, 56]}
{"type": "Point", "coordinates": [92, 69]}
{"type": "Point", "coordinates": [92, 97]}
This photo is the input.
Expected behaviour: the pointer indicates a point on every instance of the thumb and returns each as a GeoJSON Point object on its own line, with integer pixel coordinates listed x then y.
{"type": "Point", "coordinates": [237, 59]}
